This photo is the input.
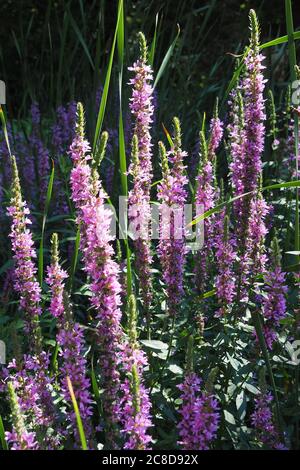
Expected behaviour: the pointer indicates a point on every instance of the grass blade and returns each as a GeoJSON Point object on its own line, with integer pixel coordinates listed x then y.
{"type": "Point", "coordinates": [122, 152]}
{"type": "Point", "coordinates": [166, 59]}
{"type": "Point", "coordinates": [280, 40]}
{"type": "Point", "coordinates": [217, 208]}
{"type": "Point", "coordinates": [129, 270]}
{"type": "Point", "coordinates": [74, 260]}
{"type": "Point", "coordinates": [61, 59]}
{"type": "Point", "coordinates": [78, 417]}
{"type": "Point", "coordinates": [81, 40]}
{"type": "Point", "coordinates": [273, 43]}
{"type": "Point", "coordinates": [47, 204]}
{"type": "Point", "coordinates": [96, 388]}
{"type": "Point", "coordinates": [293, 62]}
{"type": "Point", "coordinates": [3, 121]}
{"type": "Point", "coordinates": [2, 436]}
{"type": "Point", "coordinates": [153, 45]}
{"type": "Point", "coordinates": [103, 102]}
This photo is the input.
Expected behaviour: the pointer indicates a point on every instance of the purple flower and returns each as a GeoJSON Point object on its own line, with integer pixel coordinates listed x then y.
{"type": "Point", "coordinates": [257, 230]}
{"type": "Point", "coordinates": [71, 341]}
{"type": "Point", "coordinates": [94, 219]}
{"type": "Point", "coordinates": [135, 402]}
{"type": "Point", "coordinates": [63, 129]}
{"type": "Point", "coordinates": [205, 198]}
{"type": "Point", "coordinates": [172, 195]}
{"type": "Point", "coordinates": [19, 438]}
{"type": "Point", "coordinates": [262, 421]}
{"type": "Point", "coordinates": [225, 257]}
{"type": "Point", "coordinates": [274, 304]}
{"type": "Point", "coordinates": [247, 132]}
{"type": "Point", "coordinates": [139, 212]}
{"type": "Point", "coordinates": [25, 282]}
{"type": "Point", "coordinates": [34, 388]}
{"type": "Point", "coordinates": [199, 415]}
{"type": "Point", "coordinates": [216, 134]}
{"type": "Point", "coordinates": [253, 86]}
{"type": "Point", "coordinates": [27, 441]}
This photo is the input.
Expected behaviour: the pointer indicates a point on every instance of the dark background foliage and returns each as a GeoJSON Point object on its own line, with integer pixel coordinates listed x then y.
{"type": "Point", "coordinates": [45, 46]}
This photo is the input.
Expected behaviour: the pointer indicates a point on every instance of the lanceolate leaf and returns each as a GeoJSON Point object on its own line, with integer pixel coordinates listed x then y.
{"type": "Point", "coordinates": [47, 204]}
{"type": "Point", "coordinates": [166, 59]}
{"type": "Point", "coordinates": [107, 81]}
{"type": "Point", "coordinates": [78, 417]}
{"type": "Point", "coordinates": [219, 207]}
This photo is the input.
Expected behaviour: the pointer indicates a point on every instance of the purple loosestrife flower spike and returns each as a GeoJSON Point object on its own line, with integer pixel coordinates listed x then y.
{"type": "Point", "coordinates": [274, 304]}
{"type": "Point", "coordinates": [172, 195]}
{"type": "Point", "coordinates": [25, 282]}
{"type": "Point", "coordinates": [253, 87]}
{"type": "Point", "coordinates": [216, 133]}
{"type": "Point", "coordinates": [34, 388]}
{"type": "Point", "coordinates": [71, 341]}
{"type": "Point", "coordinates": [254, 108]}
{"type": "Point", "coordinates": [96, 244]}
{"type": "Point", "coordinates": [199, 410]}
{"type": "Point", "coordinates": [19, 438]}
{"type": "Point", "coordinates": [237, 138]}
{"type": "Point", "coordinates": [248, 131]}
{"type": "Point", "coordinates": [139, 210]}
{"type": "Point", "coordinates": [257, 231]}
{"type": "Point", "coordinates": [262, 421]}
{"type": "Point", "coordinates": [139, 214]}
{"type": "Point", "coordinates": [225, 257]}
{"type": "Point", "coordinates": [205, 200]}
{"type": "Point", "coordinates": [135, 404]}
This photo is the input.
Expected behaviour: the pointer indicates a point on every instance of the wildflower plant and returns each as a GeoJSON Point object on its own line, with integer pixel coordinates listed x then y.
{"type": "Point", "coordinates": [96, 342]}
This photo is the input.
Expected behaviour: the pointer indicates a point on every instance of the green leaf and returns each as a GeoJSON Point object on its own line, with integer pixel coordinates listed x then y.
{"type": "Point", "coordinates": [74, 260]}
{"type": "Point", "coordinates": [219, 207]}
{"type": "Point", "coordinates": [175, 369]}
{"type": "Point", "coordinates": [280, 40]}
{"type": "Point", "coordinates": [122, 153]}
{"type": "Point", "coordinates": [241, 404]}
{"type": "Point", "coordinates": [154, 344]}
{"type": "Point", "coordinates": [54, 358]}
{"type": "Point", "coordinates": [3, 121]}
{"type": "Point", "coordinates": [41, 248]}
{"type": "Point", "coordinates": [153, 45]}
{"type": "Point", "coordinates": [96, 388]}
{"type": "Point", "coordinates": [166, 59]}
{"type": "Point", "coordinates": [78, 417]}
{"type": "Point", "coordinates": [103, 102]}
{"type": "Point", "coordinates": [2, 436]}
{"type": "Point", "coordinates": [229, 418]}
{"type": "Point", "coordinates": [208, 294]}
{"type": "Point", "coordinates": [81, 39]}
{"type": "Point", "coordinates": [293, 63]}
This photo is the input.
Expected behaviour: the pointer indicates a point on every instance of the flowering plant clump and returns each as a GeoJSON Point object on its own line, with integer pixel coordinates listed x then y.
{"type": "Point", "coordinates": [173, 291]}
